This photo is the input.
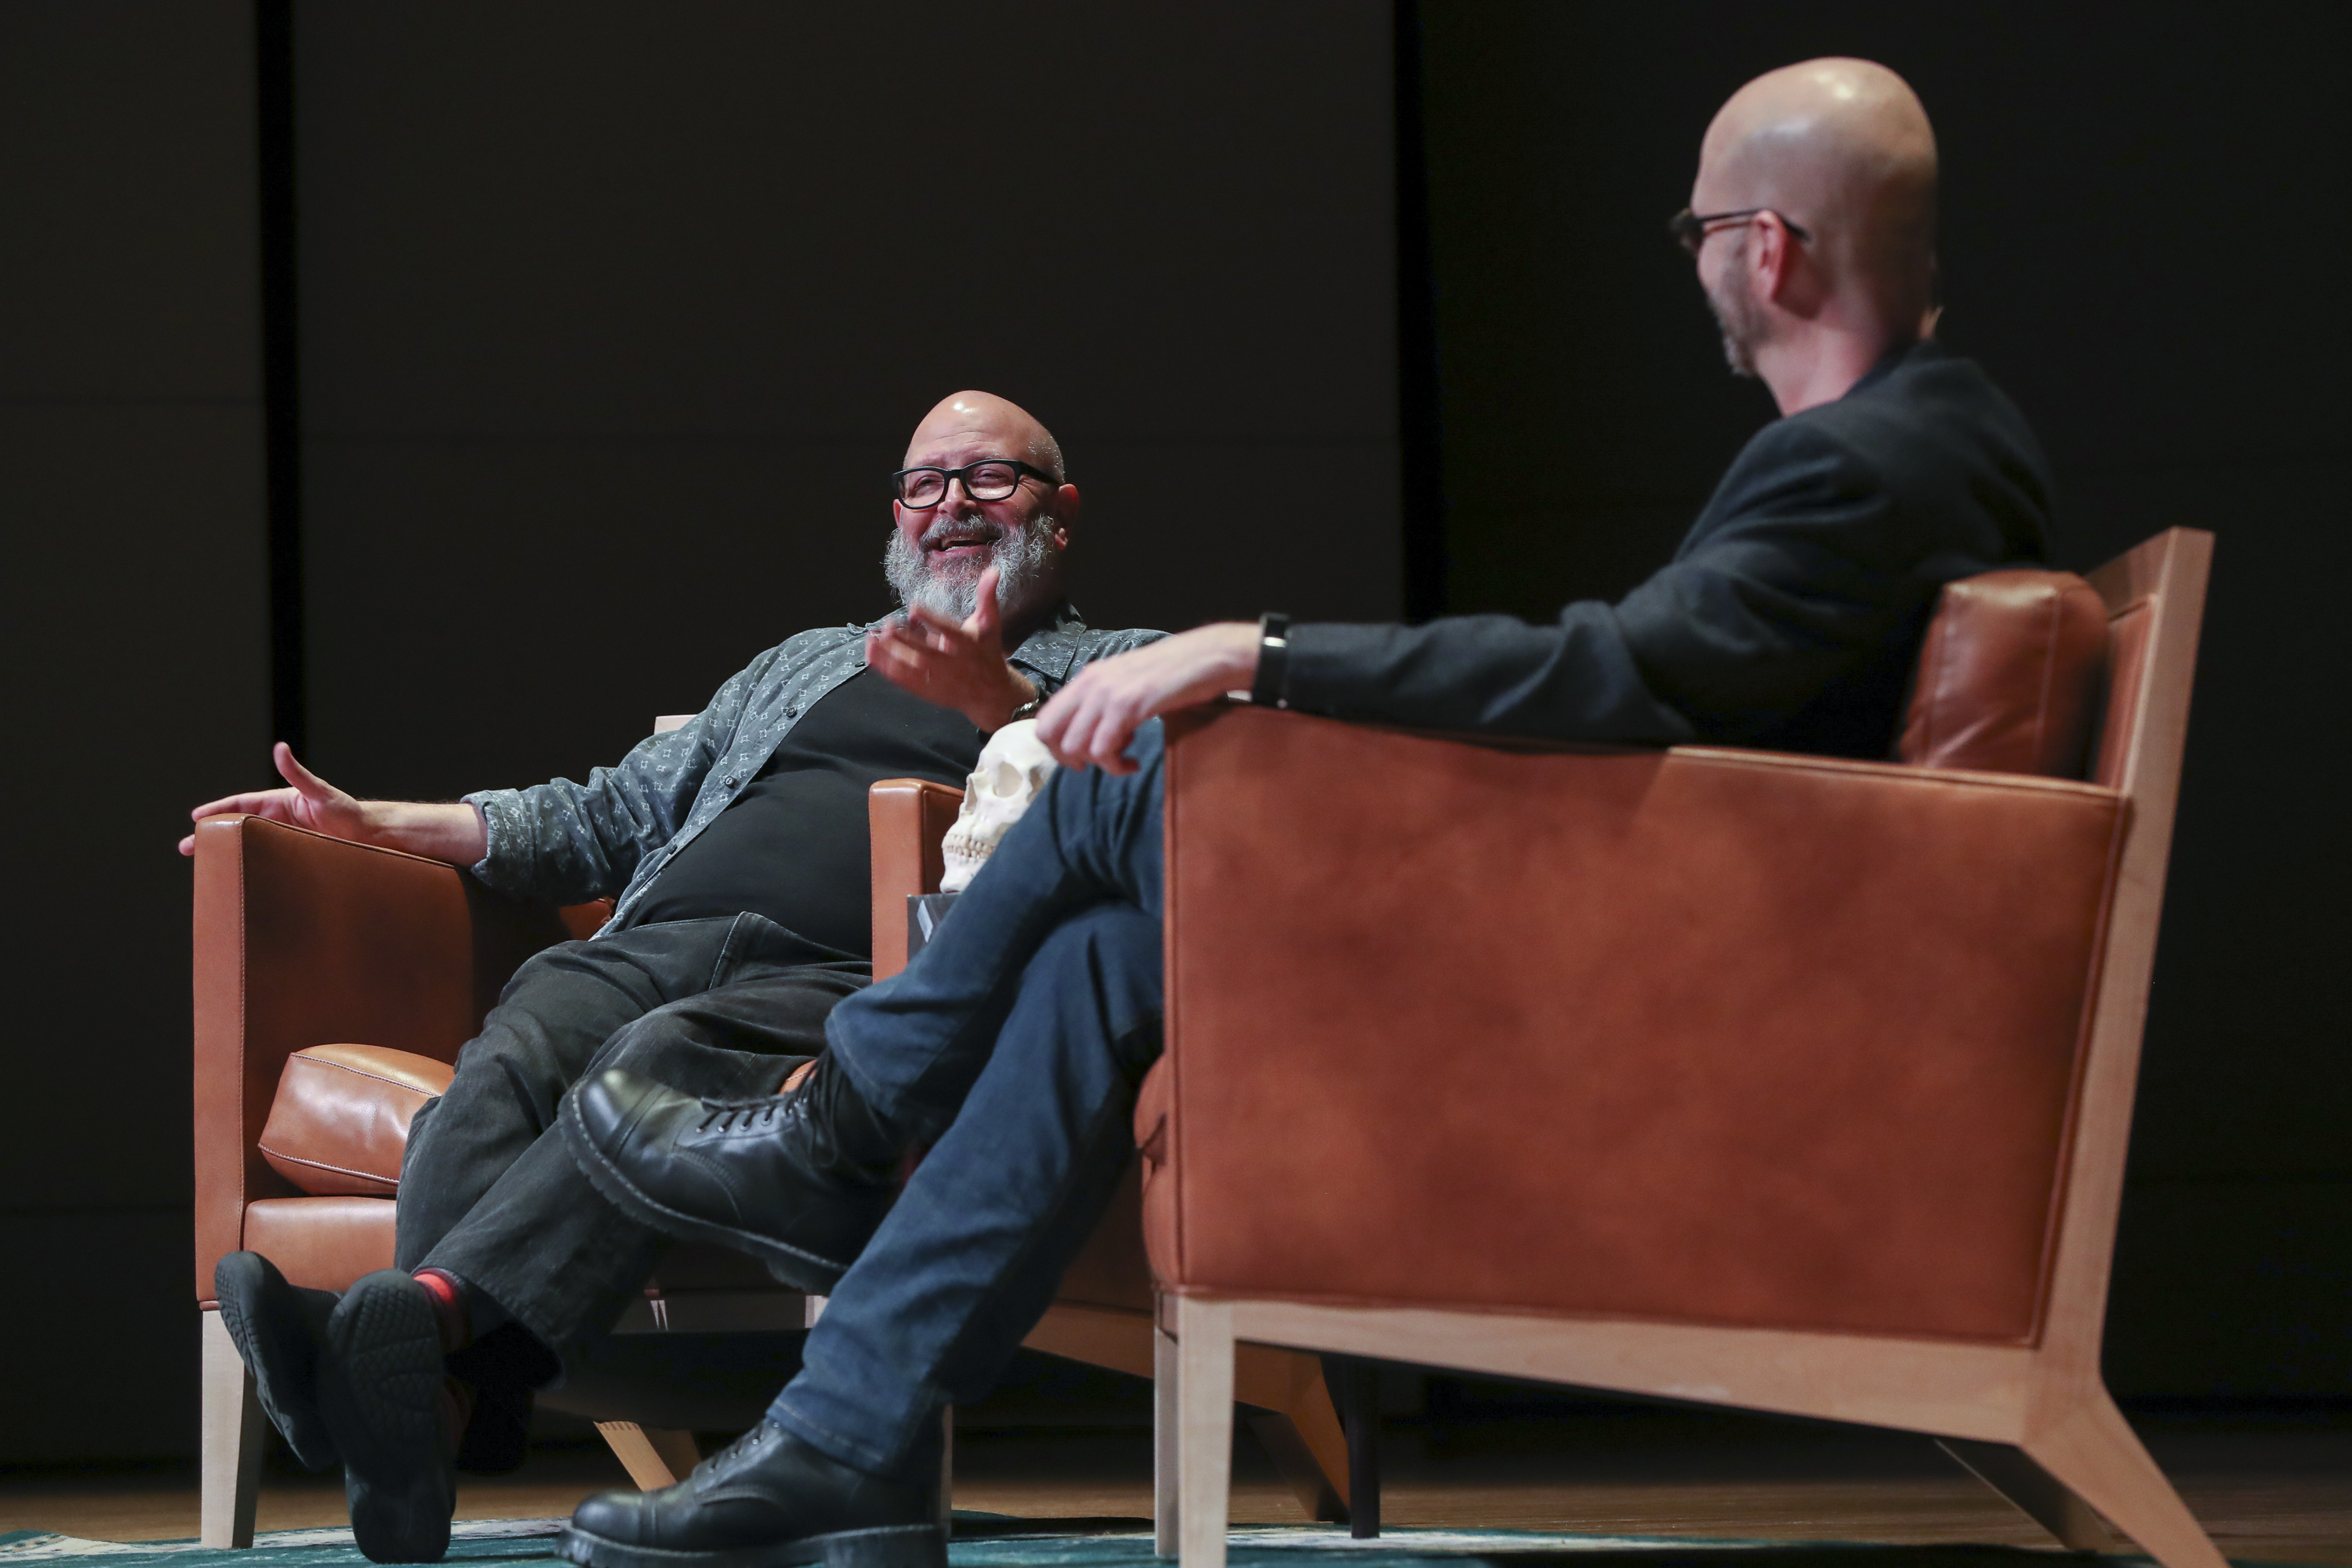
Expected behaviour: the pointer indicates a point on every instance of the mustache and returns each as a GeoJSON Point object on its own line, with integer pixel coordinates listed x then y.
{"type": "Point", "coordinates": [973, 529]}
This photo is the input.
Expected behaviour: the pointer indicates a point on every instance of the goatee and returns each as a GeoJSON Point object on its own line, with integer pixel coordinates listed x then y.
{"type": "Point", "coordinates": [1737, 314]}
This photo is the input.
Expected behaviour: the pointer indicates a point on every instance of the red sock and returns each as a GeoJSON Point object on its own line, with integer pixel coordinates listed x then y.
{"type": "Point", "coordinates": [448, 1309]}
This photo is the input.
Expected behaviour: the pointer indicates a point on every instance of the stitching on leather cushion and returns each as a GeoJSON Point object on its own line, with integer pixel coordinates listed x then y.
{"type": "Point", "coordinates": [322, 1165]}
{"type": "Point", "coordinates": [372, 1077]}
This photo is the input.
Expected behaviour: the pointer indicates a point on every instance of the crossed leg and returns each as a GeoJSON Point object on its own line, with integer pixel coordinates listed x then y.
{"type": "Point", "coordinates": [1015, 1043]}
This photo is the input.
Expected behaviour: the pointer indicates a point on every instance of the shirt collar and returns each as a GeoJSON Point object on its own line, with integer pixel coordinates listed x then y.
{"type": "Point", "coordinates": [1049, 651]}
{"type": "Point", "coordinates": [1053, 648]}
{"type": "Point", "coordinates": [1917, 351]}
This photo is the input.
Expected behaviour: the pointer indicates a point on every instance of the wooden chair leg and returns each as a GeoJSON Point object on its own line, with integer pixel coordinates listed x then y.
{"type": "Point", "coordinates": [1204, 1435]}
{"type": "Point", "coordinates": [2095, 1454]}
{"type": "Point", "coordinates": [1297, 1423]}
{"type": "Point", "coordinates": [231, 1437]}
{"type": "Point", "coordinates": [1356, 1389]}
{"type": "Point", "coordinates": [654, 1457]}
{"type": "Point", "coordinates": [2033, 1491]}
{"type": "Point", "coordinates": [1164, 1443]}
{"type": "Point", "coordinates": [1277, 1433]}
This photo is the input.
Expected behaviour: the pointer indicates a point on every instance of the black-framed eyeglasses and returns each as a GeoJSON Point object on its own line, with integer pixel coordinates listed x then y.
{"type": "Point", "coordinates": [991, 478]}
{"type": "Point", "coordinates": [1690, 229]}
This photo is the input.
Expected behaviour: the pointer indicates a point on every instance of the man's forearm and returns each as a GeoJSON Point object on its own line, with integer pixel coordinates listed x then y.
{"type": "Point", "coordinates": [451, 831]}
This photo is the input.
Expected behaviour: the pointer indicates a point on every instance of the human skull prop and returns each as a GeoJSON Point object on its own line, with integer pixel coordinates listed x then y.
{"type": "Point", "coordinates": [1014, 766]}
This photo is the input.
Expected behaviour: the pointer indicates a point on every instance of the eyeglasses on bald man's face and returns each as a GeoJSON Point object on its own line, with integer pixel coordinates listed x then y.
{"type": "Point", "coordinates": [1690, 229]}
{"type": "Point", "coordinates": [991, 478]}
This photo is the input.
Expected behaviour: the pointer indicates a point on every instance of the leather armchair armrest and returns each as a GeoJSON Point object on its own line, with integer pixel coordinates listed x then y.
{"type": "Point", "coordinates": [1630, 1033]}
{"type": "Point", "coordinates": [301, 939]}
{"type": "Point", "coordinates": [906, 819]}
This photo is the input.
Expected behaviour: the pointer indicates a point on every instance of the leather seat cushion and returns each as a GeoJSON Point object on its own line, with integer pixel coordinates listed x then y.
{"type": "Point", "coordinates": [2010, 676]}
{"type": "Point", "coordinates": [323, 1243]}
{"type": "Point", "coordinates": [340, 1123]}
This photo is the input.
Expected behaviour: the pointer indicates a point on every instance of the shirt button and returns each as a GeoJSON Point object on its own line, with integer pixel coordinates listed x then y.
{"type": "Point", "coordinates": [791, 712]}
{"type": "Point", "coordinates": [730, 781]}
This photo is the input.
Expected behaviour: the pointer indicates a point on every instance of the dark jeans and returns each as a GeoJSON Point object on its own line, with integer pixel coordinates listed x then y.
{"type": "Point", "coordinates": [1015, 1042]}
{"type": "Point", "coordinates": [721, 1008]}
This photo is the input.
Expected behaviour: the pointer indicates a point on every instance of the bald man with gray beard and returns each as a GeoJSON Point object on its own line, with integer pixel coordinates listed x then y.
{"type": "Point", "coordinates": [1790, 618]}
{"type": "Point", "coordinates": [736, 848]}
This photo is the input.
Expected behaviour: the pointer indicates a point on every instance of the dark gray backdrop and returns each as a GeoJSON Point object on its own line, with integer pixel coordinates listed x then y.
{"type": "Point", "coordinates": [135, 608]}
{"type": "Point", "coordinates": [612, 317]}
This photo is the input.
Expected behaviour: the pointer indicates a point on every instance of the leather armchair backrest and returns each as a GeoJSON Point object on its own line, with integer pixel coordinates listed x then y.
{"type": "Point", "coordinates": [2010, 676]}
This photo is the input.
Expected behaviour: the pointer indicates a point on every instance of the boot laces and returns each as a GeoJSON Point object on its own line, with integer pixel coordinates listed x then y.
{"type": "Point", "coordinates": [742, 1115]}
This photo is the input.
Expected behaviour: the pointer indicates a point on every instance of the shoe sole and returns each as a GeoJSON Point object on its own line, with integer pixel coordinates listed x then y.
{"type": "Point", "coordinates": [792, 1265]}
{"type": "Point", "coordinates": [278, 1350]}
{"type": "Point", "coordinates": [381, 1392]}
{"type": "Point", "coordinates": [887, 1546]}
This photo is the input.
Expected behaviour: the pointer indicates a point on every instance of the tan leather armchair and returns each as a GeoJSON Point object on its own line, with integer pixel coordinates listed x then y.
{"type": "Point", "coordinates": [335, 982]}
{"type": "Point", "coordinates": [1781, 1083]}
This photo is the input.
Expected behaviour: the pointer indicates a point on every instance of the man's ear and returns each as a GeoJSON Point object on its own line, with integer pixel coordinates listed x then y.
{"type": "Point", "coordinates": [1769, 258]}
{"type": "Point", "coordinates": [1066, 506]}
{"type": "Point", "coordinates": [1786, 274]}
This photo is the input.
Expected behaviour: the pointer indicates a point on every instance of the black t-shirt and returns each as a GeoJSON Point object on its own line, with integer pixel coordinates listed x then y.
{"type": "Point", "coordinates": [793, 845]}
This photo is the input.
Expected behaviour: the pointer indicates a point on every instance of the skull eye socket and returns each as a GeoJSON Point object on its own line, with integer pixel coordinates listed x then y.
{"type": "Point", "coordinates": [1004, 779]}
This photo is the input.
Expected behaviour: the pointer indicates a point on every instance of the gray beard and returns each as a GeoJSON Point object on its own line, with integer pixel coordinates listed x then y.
{"type": "Point", "coordinates": [1024, 559]}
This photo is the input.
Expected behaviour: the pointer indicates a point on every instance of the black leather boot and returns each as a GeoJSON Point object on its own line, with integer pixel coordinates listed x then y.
{"type": "Point", "coordinates": [766, 1501]}
{"type": "Point", "coordinates": [278, 1327]}
{"type": "Point", "coordinates": [799, 1180]}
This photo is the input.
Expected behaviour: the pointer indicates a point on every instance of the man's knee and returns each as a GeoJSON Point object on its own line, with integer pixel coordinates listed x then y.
{"type": "Point", "coordinates": [644, 1044]}
{"type": "Point", "coordinates": [694, 1049]}
{"type": "Point", "coordinates": [1104, 964]}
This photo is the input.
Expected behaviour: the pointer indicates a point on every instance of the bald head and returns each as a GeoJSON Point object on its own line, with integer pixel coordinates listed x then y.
{"type": "Point", "coordinates": [939, 549]}
{"type": "Point", "coordinates": [1841, 149]}
{"type": "Point", "coordinates": [983, 419]}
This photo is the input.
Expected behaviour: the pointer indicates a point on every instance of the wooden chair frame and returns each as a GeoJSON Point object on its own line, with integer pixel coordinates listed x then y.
{"type": "Point", "coordinates": [2035, 1422]}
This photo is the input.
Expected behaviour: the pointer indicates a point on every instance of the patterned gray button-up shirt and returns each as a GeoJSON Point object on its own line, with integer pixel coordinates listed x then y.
{"type": "Point", "coordinates": [566, 843]}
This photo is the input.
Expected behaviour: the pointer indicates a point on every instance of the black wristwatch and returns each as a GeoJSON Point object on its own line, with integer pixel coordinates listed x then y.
{"type": "Point", "coordinates": [1273, 660]}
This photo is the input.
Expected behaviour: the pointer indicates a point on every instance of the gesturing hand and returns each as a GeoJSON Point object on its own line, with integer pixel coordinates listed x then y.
{"type": "Point", "coordinates": [959, 666]}
{"type": "Point", "coordinates": [1092, 718]}
{"type": "Point", "coordinates": [312, 802]}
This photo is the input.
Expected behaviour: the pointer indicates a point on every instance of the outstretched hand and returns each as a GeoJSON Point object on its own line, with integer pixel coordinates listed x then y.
{"type": "Point", "coordinates": [312, 802]}
{"type": "Point", "coordinates": [1090, 721]}
{"type": "Point", "coordinates": [958, 664]}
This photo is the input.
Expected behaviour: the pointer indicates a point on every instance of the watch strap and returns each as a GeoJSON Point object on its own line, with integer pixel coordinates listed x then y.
{"type": "Point", "coordinates": [1273, 660]}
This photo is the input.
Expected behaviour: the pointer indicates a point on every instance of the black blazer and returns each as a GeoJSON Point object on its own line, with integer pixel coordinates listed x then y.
{"type": "Point", "coordinates": [1790, 617]}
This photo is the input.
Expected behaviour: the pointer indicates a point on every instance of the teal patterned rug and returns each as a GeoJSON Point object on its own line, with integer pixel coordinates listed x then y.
{"type": "Point", "coordinates": [992, 1540]}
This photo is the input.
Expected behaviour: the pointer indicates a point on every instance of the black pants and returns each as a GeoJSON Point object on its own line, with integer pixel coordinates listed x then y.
{"type": "Point", "coordinates": [720, 1007]}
